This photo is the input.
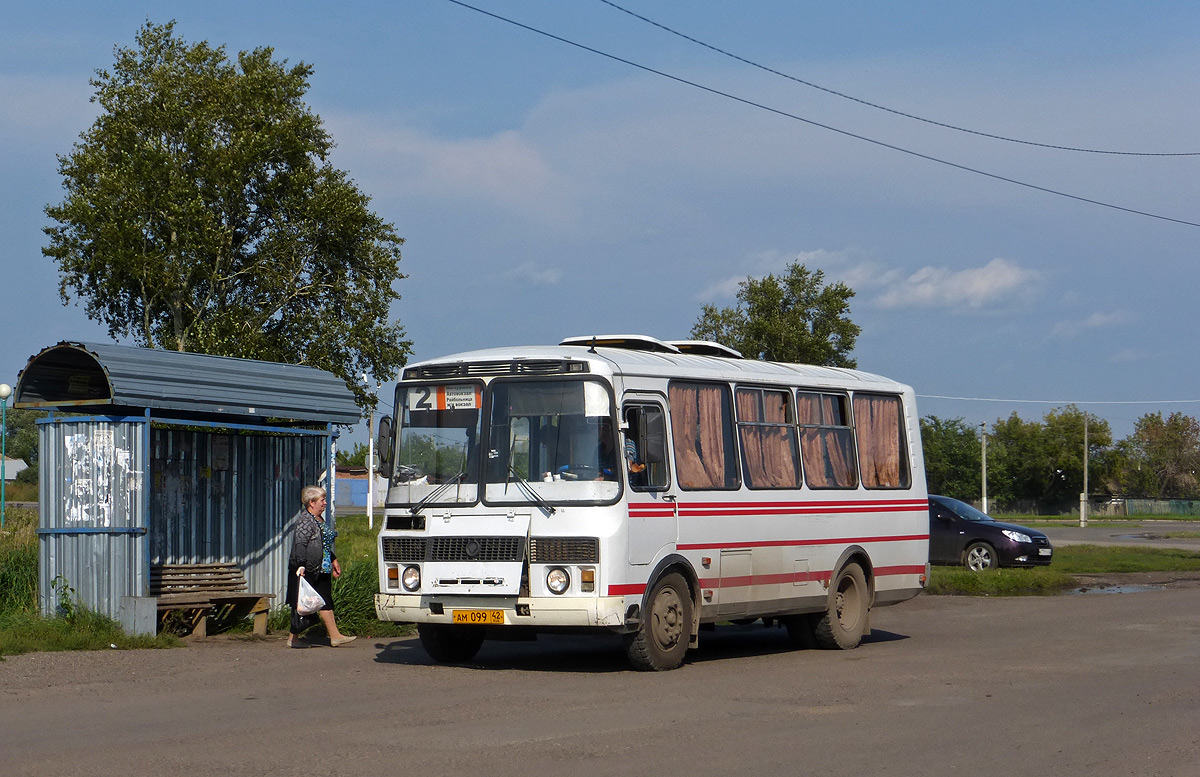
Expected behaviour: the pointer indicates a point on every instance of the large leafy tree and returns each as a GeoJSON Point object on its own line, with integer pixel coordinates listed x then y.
{"type": "Point", "coordinates": [202, 214]}
{"type": "Point", "coordinates": [1042, 462]}
{"type": "Point", "coordinates": [1162, 457]}
{"type": "Point", "coordinates": [795, 317]}
{"type": "Point", "coordinates": [953, 464]}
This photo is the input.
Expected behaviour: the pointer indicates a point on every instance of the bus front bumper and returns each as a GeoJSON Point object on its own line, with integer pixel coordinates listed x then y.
{"type": "Point", "coordinates": [538, 612]}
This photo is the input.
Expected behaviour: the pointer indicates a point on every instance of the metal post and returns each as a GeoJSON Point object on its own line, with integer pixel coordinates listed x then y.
{"type": "Point", "coordinates": [5, 393]}
{"type": "Point", "coordinates": [983, 442]}
{"type": "Point", "coordinates": [371, 469]}
{"type": "Point", "coordinates": [1083, 498]}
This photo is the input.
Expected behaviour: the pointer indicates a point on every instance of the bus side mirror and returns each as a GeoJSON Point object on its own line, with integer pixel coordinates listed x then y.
{"type": "Point", "coordinates": [383, 446]}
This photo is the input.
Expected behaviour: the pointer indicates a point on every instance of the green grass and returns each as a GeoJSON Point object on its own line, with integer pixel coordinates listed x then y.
{"type": "Point", "coordinates": [24, 630]}
{"type": "Point", "coordinates": [22, 627]}
{"type": "Point", "coordinates": [1101, 559]}
{"type": "Point", "coordinates": [1068, 560]}
{"type": "Point", "coordinates": [960, 581]}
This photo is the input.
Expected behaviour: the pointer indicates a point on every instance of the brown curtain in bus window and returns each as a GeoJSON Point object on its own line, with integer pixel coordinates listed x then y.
{"type": "Point", "coordinates": [839, 448]}
{"type": "Point", "coordinates": [828, 454]}
{"type": "Point", "coordinates": [698, 427]}
{"type": "Point", "coordinates": [877, 421]}
{"type": "Point", "coordinates": [685, 415]}
{"type": "Point", "coordinates": [752, 439]}
{"type": "Point", "coordinates": [712, 435]}
{"type": "Point", "coordinates": [778, 443]}
{"type": "Point", "coordinates": [811, 448]}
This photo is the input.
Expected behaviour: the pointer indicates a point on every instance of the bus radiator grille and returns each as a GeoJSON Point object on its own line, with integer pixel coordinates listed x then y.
{"type": "Point", "coordinates": [403, 549]}
{"type": "Point", "coordinates": [564, 550]}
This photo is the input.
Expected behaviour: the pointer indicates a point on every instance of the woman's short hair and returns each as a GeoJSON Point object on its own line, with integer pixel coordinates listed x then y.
{"type": "Point", "coordinates": [310, 494]}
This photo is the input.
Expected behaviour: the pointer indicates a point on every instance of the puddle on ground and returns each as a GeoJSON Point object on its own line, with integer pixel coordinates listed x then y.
{"type": "Point", "coordinates": [1146, 536]}
{"type": "Point", "coordinates": [1116, 589]}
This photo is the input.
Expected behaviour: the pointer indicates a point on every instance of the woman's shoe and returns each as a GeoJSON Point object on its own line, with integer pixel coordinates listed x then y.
{"type": "Point", "coordinates": [341, 641]}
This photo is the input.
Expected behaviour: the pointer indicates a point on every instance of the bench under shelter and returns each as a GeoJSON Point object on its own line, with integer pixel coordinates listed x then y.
{"type": "Point", "coordinates": [168, 480]}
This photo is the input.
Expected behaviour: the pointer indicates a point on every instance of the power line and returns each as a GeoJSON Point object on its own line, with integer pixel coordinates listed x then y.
{"type": "Point", "coordinates": [869, 104]}
{"type": "Point", "coordinates": [846, 133]}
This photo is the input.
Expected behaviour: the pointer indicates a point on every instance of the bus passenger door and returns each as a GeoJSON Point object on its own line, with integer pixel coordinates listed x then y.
{"type": "Point", "coordinates": [653, 513]}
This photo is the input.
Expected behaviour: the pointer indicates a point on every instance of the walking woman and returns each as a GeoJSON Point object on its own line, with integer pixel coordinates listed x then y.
{"type": "Point", "coordinates": [312, 558]}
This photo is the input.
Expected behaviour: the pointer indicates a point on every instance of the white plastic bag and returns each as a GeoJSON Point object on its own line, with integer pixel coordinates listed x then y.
{"type": "Point", "coordinates": [308, 601]}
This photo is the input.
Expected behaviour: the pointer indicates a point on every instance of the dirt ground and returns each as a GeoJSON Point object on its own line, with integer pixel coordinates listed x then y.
{"type": "Point", "coordinates": [1062, 685]}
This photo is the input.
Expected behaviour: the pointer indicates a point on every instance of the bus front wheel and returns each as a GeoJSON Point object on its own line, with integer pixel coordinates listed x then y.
{"type": "Point", "coordinates": [666, 630]}
{"type": "Point", "coordinates": [450, 644]}
{"type": "Point", "coordinates": [845, 620]}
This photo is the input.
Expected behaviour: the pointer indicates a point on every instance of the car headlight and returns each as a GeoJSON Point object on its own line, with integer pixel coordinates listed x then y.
{"type": "Point", "coordinates": [1016, 536]}
{"type": "Point", "coordinates": [557, 580]}
{"type": "Point", "coordinates": [411, 579]}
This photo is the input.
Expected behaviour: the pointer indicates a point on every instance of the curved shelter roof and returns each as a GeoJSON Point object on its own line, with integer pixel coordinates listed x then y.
{"type": "Point", "coordinates": [106, 377]}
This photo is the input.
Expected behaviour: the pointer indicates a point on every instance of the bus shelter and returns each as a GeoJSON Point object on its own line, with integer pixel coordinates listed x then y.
{"type": "Point", "coordinates": [151, 457]}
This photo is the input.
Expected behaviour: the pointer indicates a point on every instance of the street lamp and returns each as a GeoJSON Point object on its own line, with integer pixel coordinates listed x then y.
{"type": "Point", "coordinates": [5, 393]}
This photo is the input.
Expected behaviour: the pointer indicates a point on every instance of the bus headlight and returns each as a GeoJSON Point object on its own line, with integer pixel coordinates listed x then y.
{"type": "Point", "coordinates": [411, 579]}
{"type": "Point", "coordinates": [557, 580]}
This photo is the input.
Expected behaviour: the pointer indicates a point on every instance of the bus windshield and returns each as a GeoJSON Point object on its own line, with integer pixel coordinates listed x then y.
{"type": "Point", "coordinates": [437, 443]}
{"type": "Point", "coordinates": [556, 435]}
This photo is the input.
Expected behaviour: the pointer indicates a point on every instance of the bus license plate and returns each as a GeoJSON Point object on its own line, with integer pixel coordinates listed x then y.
{"type": "Point", "coordinates": [479, 617]}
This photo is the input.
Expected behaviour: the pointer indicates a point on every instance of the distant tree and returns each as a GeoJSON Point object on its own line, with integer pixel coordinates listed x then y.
{"type": "Point", "coordinates": [1043, 462]}
{"type": "Point", "coordinates": [1162, 457]}
{"type": "Point", "coordinates": [1018, 467]}
{"type": "Point", "coordinates": [22, 441]}
{"type": "Point", "coordinates": [793, 318]}
{"type": "Point", "coordinates": [202, 214]}
{"type": "Point", "coordinates": [952, 457]}
{"type": "Point", "coordinates": [355, 457]}
{"type": "Point", "coordinates": [1063, 443]}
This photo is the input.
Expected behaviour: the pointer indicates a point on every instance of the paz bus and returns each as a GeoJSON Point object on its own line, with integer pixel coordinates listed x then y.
{"type": "Point", "coordinates": [648, 488]}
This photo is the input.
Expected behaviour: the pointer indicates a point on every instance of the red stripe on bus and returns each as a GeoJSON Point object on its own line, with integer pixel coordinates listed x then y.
{"type": "Point", "coordinates": [794, 543]}
{"type": "Point", "coordinates": [781, 579]}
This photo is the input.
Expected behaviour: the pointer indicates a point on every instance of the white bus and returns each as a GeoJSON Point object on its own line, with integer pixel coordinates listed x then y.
{"type": "Point", "coordinates": [647, 488]}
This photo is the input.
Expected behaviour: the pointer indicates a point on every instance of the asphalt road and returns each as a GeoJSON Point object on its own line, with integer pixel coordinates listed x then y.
{"type": "Point", "coordinates": [1141, 533]}
{"type": "Point", "coordinates": [1097, 685]}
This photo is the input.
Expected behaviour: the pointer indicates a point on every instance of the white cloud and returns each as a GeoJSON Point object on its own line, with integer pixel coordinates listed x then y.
{"type": "Point", "coordinates": [1097, 320]}
{"type": "Point", "coordinates": [539, 276]}
{"type": "Point", "coordinates": [502, 170]}
{"type": "Point", "coordinates": [764, 263]}
{"type": "Point", "coordinates": [996, 283]}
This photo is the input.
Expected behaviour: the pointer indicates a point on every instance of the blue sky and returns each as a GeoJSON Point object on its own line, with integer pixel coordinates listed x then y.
{"type": "Point", "coordinates": [546, 191]}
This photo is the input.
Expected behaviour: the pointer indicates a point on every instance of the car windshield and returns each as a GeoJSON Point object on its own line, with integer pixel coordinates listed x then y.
{"type": "Point", "coordinates": [968, 513]}
{"type": "Point", "coordinates": [437, 443]}
{"type": "Point", "coordinates": [557, 436]}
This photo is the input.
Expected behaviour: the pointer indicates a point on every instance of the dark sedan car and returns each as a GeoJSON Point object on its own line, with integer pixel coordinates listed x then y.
{"type": "Point", "coordinates": [960, 534]}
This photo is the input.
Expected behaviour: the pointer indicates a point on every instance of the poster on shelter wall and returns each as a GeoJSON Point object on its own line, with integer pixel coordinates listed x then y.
{"type": "Point", "coordinates": [100, 473]}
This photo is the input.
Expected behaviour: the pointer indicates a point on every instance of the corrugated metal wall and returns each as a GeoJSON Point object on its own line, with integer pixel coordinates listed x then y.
{"type": "Point", "coordinates": [228, 498]}
{"type": "Point", "coordinates": [92, 511]}
{"type": "Point", "coordinates": [214, 496]}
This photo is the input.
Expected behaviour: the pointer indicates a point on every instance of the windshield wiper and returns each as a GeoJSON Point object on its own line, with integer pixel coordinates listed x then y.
{"type": "Point", "coordinates": [435, 493]}
{"type": "Point", "coordinates": [530, 491]}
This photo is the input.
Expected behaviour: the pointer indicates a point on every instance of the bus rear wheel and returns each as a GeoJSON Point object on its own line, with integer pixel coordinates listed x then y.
{"type": "Point", "coordinates": [450, 644]}
{"type": "Point", "coordinates": [662, 640]}
{"type": "Point", "coordinates": [845, 620]}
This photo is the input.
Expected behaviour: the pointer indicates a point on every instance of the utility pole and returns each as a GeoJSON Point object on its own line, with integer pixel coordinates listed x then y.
{"type": "Point", "coordinates": [371, 469]}
{"type": "Point", "coordinates": [983, 480]}
{"type": "Point", "coordinates": [1083, 498]}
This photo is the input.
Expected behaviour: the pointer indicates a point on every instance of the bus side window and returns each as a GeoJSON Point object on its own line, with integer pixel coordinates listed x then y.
{"type": "Point", "coordinates": [645, 448]}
